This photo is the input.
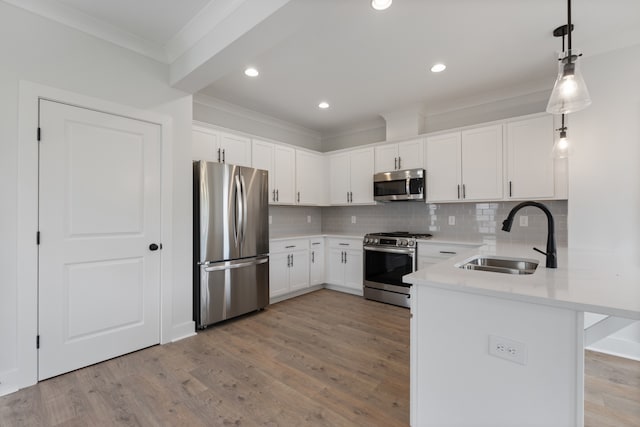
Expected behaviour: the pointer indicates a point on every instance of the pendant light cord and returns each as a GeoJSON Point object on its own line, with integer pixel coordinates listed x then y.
{"type": "Point", "coordinates": [568, 24]}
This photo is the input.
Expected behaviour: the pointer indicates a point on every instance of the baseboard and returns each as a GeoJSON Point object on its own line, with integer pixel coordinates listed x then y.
{"type": "Point", "coordinates": [344, 289]}
{"type": "Point", "coordinates": [617, 347]}
{"type": "Point", "coordinates": [294, 294]}
{"type": "Point", "coordinates": [183, 330]}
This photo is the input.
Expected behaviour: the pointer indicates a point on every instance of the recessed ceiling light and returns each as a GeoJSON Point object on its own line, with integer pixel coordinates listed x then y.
{"type": "Point", "coordinates": [381, 4]}
{"type": "Point", "coordinates": [324, 105]}
{"type": "Point", "coordinates": [438, 68]}
{"type": "Point", "coordinates": [251, 72]}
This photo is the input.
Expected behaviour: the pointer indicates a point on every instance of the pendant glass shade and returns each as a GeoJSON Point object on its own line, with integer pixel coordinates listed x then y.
{"type": "Point", "coordinates": [570, 92]}
{"type": "Point", "coordinates": [561, 148]}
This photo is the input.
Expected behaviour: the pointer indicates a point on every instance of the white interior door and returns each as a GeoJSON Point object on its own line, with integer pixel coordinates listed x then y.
{"type": "Point", "coordinates": [99, 211]}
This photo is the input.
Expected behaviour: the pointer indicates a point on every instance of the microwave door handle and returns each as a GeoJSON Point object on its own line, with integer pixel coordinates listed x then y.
{"type": "Point", "coordinates": [407, 186]}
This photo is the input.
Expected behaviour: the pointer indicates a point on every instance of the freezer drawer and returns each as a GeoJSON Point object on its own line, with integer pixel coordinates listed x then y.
{"type": "Point", "coordinates": [231, 288]}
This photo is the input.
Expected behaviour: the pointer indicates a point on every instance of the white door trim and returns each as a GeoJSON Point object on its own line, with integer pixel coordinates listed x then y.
{"type": "Point", "coordinates": [27, 253]}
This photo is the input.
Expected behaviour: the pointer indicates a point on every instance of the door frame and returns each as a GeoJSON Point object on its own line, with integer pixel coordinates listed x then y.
{"type": "Point", "coordinates": [27, 220]}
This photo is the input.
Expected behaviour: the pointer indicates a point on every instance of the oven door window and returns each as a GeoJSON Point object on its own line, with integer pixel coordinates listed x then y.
{"type": "Point", "coordinates": [386, 267]}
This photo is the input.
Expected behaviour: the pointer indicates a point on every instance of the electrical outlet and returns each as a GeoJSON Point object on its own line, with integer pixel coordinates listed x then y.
{"type": "Point", "coordinates": [353, 219]}
{"type": "Point", "coordinates": [524, 221]}
{"type": "Point", "coordinates": [452, 220]}
{"type": "Point", "coordinates": [508, 349]}
{"type": "Point", "coordinates": [270, 219]}
{"type": "Point", "coordinates": [309, 219]}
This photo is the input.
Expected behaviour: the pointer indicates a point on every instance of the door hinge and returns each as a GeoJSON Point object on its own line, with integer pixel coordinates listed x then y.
{"type": "Point", "coordinates": [37, 341]}
{"type": "Point", "coordinates": [39, 134]}
{"type": "Point", "coordinates": [37, 238]}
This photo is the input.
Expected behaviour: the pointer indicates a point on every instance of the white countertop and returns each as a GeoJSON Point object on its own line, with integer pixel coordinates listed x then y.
{"type": "Point", "coordinates": [311, 236]}
{"type": "Point", "coordinates": [592, 281]}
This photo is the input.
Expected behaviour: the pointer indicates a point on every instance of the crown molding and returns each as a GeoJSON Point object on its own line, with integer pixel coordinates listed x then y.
{"type": "Point", "coordinates": [227, 107]}
{"type": "Point", "coordinates": [362, 126]}
{"type": "Point", "coordinates": [81, 21]}
{"type": "Point", "coordinates": [199, 26]}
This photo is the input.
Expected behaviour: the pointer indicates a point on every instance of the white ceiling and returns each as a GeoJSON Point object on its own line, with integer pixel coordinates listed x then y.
{"type": "Point", "coordinates": [361, 61]}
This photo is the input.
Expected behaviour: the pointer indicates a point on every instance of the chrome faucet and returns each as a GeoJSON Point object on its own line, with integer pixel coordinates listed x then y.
{"type": "Point", "coordinates": [551, 254]}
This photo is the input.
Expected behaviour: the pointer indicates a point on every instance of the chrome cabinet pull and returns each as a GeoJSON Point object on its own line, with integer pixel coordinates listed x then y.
{"type": "Point", "coordinates": [395, 163]}
{"type": "Point", "coordinates": [277, 195]}
{"type": "Point", "coordinates": [464, 191]}
{"type": "Point", "coordinates": [399, 162]}
{"type": "Point", "coordinates": [510, 190]}
{"type": "Point", "coordinates": [458, 191]}
{"type": "Point", "coordinates": [274, 195]}
{"type": "Point", "coordinates": [218, 155]}
{"type": "Point", "coordinates": [291, 260]}
{"type": "Point", "coordinates": [344, 244]}
{"type": "Point", "coordinates": [223, 160]}
{"type": "Point", "coordinates": [345, 257]}
{"type": "Point", "coordinates": [313, 257]}
{"type": "Point", "coordinates": [298, 197]}
{"type": "Point", "coordinates": [448, 252]}
{"type": "Point", "coordinates": [347, 197]}
{"type": "Point", "coordinates": [290, 246]}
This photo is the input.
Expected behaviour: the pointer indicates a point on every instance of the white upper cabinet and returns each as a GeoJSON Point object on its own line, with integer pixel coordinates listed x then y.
{"type": "Point", "coordinates": [530, 165]}
{"type": "Point", "coordinates": [482, 163]}
{"type": "Point", "coordinates": [310, 178]}
{"type": "Point", "coordinates": [216, 146]}
{"type": "Point", "coordinates": [404, 155]}
{"type": "Point", "coordinates": [444, 173]}
{"type": "Point", "coordinates": [279, 161]}
{"type": "Point", "coordinates": [351, 177]}
{"type": "Point", "coordinates": [465, 166]}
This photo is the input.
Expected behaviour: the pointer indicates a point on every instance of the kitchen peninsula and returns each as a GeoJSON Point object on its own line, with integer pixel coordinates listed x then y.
{"type": "Point", "coordinates": [509, 348]}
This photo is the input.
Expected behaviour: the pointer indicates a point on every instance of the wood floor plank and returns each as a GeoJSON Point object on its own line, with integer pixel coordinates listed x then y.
{"type": "Point", "coordinates": [321, 359]}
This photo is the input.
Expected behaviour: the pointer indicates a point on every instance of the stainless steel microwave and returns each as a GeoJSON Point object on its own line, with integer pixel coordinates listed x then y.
{"type": "Point", "coordinates": [399, 185]}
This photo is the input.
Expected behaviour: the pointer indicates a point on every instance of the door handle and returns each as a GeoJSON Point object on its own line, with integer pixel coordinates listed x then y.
{"type": "Point", "coordinates": [223, 159]}
{"type": "Point", "coordinates": [288, 260]}
{"type": "Point", "coordinates": [218, 155]}
{"type": "Point", "coordinates": [298, 197]}
{"type": "Point", "coordinates": [155, 246]}
{"type": "Point", "coordinates": [458, 191]}
{"type": "Point", "coordinates": [510, 190]}
{"type": "Point", "coordinates": [245, 206]}
{"type": "Point", "coordinates": [230, 265]}
{"type": "Point", "coordinates": [399, 162]}
{"type": "Point", "coordinates": [277, 195]}
{"type": "Point", "coordinates": [464, 191]}
{"type": "Point", "coordinates": [395, 163]}
{"type": "Point", "coordinates": [345, 257]}
{"type": "Point", "coordinates": [347, 197]}
{"type": "Point", "coordinates": [291, 260]}
{"type": "Point", "coordinates": [274, 195]}
{"type": "Point", "coordinates": [313, 257]}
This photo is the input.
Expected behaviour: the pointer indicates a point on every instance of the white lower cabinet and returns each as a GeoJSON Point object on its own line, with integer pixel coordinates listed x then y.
{"type": "Point", "coordinates": [345, 264]}
{"type": "Point", "coordinates": [288, 266]}
{"type": "Point", "coordinates": [316, 262]}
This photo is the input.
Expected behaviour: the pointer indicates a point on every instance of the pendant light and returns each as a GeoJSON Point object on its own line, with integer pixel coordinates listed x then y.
{"type": "Point", "coordinates": [562, 146]}
{"type": "Point", "coordinates": [570, 92]}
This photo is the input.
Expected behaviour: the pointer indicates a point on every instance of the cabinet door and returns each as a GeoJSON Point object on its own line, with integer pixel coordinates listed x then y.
{"type": "Point", "coordinates": [335, 270]}
{"type": "Point", "coordinates": [362, 176]}
{"type": "Point", "coordinates": [530, 172]}
{"type": "Point", "coordinates": [236, 149]}
{"type": "Point", "coordinates": [299, 271]}
{"type": "Point", "coordinates": [386, 158]}
{"type": "Point", "coordinates": [353, 269]}
{"type": "Point", "coordinates": [278, 274]}
{"type": "Point", "coordinates": [482, 163]}
{"type": "Point", "coordinates": [204, 145]}
{"type": "Point", "coordinates": [284, 171]}
{"type": "Point", "coordinates": [262, 158]}
{"type": "Point", "coordinates": [443, 168]}
{"type": "Point", "coordinates": [411, 154]}
{"type": "Point", "coordinates": [339, 179]}
{"type": "Point", "coordinates": [316, 265]}
{"type": "Point", "coordinates": [309, 178]}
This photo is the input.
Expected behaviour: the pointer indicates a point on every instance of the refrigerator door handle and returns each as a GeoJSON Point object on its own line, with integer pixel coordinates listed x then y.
{"type": "Point", "coordinates": [245, 208]}
{"type": "Point", "coordinates": [237, 225]}
{"type": "Point", "coordinates": [230, 265]}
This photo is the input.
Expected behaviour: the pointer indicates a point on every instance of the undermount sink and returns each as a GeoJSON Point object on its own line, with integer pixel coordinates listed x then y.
{"type": "Point", "coordinates": [500, 265]}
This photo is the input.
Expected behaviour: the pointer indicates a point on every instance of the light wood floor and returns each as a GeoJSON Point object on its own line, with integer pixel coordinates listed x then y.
{"type": "Point", "coordinates": [325, 358]}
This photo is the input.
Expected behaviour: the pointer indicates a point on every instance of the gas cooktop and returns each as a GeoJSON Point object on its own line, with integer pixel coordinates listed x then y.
{"type": "Point", "coordinates": [404, 234]}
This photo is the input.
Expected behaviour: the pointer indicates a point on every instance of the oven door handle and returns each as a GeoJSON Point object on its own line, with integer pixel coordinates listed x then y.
{"type": "Point", "coordinates": [390, 250]}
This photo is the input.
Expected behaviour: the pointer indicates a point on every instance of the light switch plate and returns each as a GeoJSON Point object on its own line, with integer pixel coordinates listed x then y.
{"type": "Point", "coordinates": [353, 219]}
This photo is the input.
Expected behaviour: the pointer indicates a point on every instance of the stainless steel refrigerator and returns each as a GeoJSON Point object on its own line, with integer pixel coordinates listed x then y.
{"type": "Point", "coordinates": [231, 241]}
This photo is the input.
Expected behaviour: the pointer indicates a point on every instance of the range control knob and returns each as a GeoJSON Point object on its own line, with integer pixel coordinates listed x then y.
{"type": "Point", "coordinates": [411, 243]}
{"type": "Point", "coordinates": [402, 243]}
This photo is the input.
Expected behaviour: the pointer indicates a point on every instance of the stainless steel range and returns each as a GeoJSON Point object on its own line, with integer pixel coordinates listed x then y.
{"type": "Point", "coordinates": [388, 257]}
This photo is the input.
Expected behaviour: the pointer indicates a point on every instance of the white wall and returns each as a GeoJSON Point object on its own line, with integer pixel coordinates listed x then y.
{"type": "Point", "coordinates": [41, 51]}
{"type": "Point", "coordinates": [604, 171]}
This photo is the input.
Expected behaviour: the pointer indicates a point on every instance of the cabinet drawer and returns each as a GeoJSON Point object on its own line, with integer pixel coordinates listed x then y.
{"type": "Point", "coordinates": [442, 251]}
{"type": "Point", "coordinates": [288, 245]}
{"type": "Point", "coordinates": [345, 243]}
